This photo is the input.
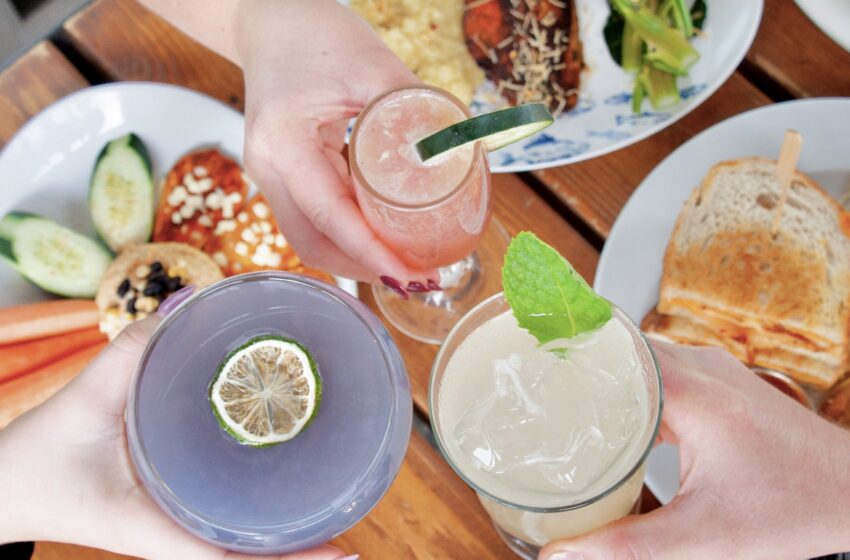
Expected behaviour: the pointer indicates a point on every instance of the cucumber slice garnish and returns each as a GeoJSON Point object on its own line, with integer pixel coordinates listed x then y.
{"type": "Point", "coordinates": [121, 193]}
{"type": "Point", "coordinates": [495, 130]}
{"type": "Point", "coordinates": [53, 257]}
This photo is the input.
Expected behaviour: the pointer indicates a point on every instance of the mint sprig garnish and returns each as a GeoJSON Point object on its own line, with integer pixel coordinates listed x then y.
{"type": "Point", "coordinates": [547, 296]}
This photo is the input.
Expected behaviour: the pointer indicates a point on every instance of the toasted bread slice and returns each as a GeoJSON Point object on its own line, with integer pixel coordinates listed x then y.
{"type": "Point", "coordinates": [809, 368]}
{"type": "Point", "coordinates": [789, 293]}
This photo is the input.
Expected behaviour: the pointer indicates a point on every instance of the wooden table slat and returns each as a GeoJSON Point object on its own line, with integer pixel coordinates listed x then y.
{"type": "Point", "coordinates": [797, 55]}
{"type": "Point", "coordinates": [427, 514]}
{"type": "Point", "coordinates": [65, 551]}
{"type": "Point", "coordinates": [39, 77]}
{"type": "Point", "coordinates": [597, 189]}
{"type": "Point", "coordinates": [126, 41]}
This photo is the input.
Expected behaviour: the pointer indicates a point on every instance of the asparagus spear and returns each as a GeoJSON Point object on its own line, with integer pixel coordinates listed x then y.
{"type": "Point", "coordinates": [631, 49]}
{"type": "Point", "coordinates": [680, 14]}
{"type": "Point", "coordinates": [659, 86]}
{"type": "Point", "coordinates": [667, 45]}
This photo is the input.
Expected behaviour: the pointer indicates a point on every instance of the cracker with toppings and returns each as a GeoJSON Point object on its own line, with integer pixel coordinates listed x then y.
{"type": "Point", "coordinates": [143, 275]}
{"type": "Point", "coordinates": [199, 195]}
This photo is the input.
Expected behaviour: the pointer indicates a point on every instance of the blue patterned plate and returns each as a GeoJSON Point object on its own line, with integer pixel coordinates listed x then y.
{"type": "Point", "coordinates": [603, 121]}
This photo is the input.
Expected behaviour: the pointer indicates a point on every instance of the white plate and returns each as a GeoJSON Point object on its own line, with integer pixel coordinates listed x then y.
{"type": "Point", "coordinates": [630, 266]}
{"type": "Point", "coordinates": [46, 167]}
{"type": "Point", "coordinates": [831, 16]}
{"type": "Point", "coordinates": [603, 120]}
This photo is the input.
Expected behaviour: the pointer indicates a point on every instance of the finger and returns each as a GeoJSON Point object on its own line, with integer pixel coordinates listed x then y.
{"type": "Point", "coordinates": [716, 382]}
{"type": "Point", "coordinates": [314, 249]}
{"type": "Point", "coordinates": [107, 378]}
{"type": "Point", "coordinates": [333, 135]}
{"type": "Point", "coordinates": [315, 186]}
{"type": "Point", "coordinates": [713, 360]}
{"type": "Point", "coordinates": [322, 197]}
{"type": "Point", "coordinates": [109, 375]}
{"type": "Point", "coordinates": [679, 387]}
{"type": "Point", "coordinates": [668, 533]}
{"type": "Point", "coordinates": [698, 403]}
{"type": "Point", "coordinates": [687, 389]}
{"type": "Point", "coordinates": [689, 402]}
{"type": "Point", "coordinates": [341, 166]}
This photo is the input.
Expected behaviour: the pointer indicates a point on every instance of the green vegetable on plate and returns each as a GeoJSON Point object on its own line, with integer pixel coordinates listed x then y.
{"type": "Point", "coordinates": [651, 39]}
{"type": "Point", "coordinates": [51, 256]}
{"type": "Point", "coordinates": [121, 193]}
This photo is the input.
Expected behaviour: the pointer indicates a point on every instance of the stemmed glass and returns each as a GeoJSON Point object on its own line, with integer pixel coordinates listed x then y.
{"type": "Point", "coordinates": [434, 214]}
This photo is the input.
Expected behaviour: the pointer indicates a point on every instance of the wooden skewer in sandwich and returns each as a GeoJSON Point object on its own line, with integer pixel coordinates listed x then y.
{"type": "Point", "coordinates": [785, 168]}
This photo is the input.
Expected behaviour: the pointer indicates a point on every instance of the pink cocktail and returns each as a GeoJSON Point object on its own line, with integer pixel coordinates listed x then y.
{"type": "Point", "coordinates": [432, 214]}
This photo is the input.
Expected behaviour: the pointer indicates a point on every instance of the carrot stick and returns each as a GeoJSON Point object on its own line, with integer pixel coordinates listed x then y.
{"type": "Point", "coordinates": [24, 357]}
{"type": "Point", "coordinates": [20, 395]}
{"type": "Point", "coordinates": [47, 318]}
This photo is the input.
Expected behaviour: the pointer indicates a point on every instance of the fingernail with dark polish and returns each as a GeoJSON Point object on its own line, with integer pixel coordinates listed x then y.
{"type": "Point", "coordinates": [416, 287]}
{"type": "Point", "coordinates": [175, 299]}
{"type": "Point", "coordinates": [432, 285]}
{"type": "Point", "coordinates": [394, 285]}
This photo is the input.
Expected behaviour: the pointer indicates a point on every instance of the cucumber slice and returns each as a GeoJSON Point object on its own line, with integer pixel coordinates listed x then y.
{"type": "Point", "coordinates": [496, 130]}
{"type": "Point", "coordinates": [121, 193]}
{"type": "Point", "coordinates": [53, 257]}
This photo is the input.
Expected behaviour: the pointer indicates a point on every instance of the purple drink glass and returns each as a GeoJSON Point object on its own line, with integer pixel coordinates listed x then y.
{"type": "Point", "coordinates": [296, 494]}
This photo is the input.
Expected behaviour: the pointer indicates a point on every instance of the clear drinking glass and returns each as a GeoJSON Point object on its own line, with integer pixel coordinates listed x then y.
{"type": "Point", "coordinates": [524, 527]}
{"type": "Point", "coordinates": [296, 494]}
{"type": "Point", "coordinates": [432, 215]}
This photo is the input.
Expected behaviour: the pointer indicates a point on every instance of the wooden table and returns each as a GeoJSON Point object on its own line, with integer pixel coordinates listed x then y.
{"type": "Point", "coordinates": [428, 512]}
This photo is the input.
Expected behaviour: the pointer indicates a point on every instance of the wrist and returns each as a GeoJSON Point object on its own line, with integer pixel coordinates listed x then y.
{"type": "Point", "coordinates": [273, 35]}
{"type": "Point", "coordinates": [821, 504]}
{"type": "Point", "coordinates": [838, 508]}
{"type": "Point", "coordinates": [43, 495]}
{"type": "Point", "coordinates": [257, 25]}
{"type": "Point", "coordinates": [210, 22]}
{"type": "Point", "coordinates": [21, 516]}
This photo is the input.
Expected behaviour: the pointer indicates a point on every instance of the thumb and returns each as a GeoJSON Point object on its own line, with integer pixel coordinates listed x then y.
{"type": "Point", "coordinates": [111, 373]}
{"type": "Point", "coordinates": [664, 534]}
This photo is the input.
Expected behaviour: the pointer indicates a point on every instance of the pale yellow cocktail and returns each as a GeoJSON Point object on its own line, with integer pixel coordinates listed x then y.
{"type": "Point", "coordinates": [552, 442]}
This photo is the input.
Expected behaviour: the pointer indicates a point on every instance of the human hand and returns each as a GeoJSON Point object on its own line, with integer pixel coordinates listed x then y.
{"type": "Point", "coordinates": [760, 476]}
{"type": "Point", "coordinates": [311, 65]}
{"type": "Point", "coordinates": [66, 475]}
